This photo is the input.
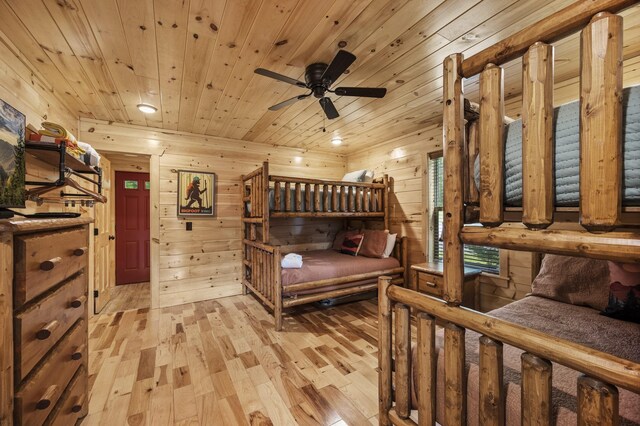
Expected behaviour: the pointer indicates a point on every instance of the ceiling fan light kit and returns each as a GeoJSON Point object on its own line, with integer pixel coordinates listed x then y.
{"type": "Point", "coordinates": [318, 80]}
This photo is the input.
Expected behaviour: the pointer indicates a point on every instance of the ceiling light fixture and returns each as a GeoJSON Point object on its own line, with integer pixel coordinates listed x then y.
{"type": "Point", "coordinates": [336, 141]}
{"type": "Point", "coordinates": [147, 109]}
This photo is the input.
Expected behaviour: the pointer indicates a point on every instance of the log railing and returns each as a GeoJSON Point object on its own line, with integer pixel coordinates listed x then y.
{"type": "Point", "coordinates": [597, 389]}
{"type": "Point", "coordinates": [263, 275]}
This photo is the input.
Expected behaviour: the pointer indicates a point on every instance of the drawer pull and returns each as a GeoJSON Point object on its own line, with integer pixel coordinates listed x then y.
{"type": "Point", "coordinates": [431, 284]}
{"type": "Point", "coordinates": [46, 331]}
{"type": "Point", "coordinates": [45, 400]}
{"type": "Point", "coordinates": [77, 406]}
{"type": "Point", "coordinates": [76, 303]}
{"type": "Point", "coordinates": [80, 251]}
{"type": "Point", "coordinates": [48, 265]}
{"type": "Point", "coordinates": [77, 354]}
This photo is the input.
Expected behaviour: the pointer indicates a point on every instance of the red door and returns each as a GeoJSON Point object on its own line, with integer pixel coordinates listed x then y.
{"type": "Point", "coordinates": [132, 227]}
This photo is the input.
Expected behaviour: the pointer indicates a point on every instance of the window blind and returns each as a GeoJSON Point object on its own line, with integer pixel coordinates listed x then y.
{"type": "Point", "coordinates": [480, 257]}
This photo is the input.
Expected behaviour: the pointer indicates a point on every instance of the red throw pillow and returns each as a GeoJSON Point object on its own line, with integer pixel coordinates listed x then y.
{"type": "Point", "coordinates": [341, 235]}
{"type": "Point", "coordinates": [624, 292]}
{"type": "Point", "coordinates": [351, 244]}
{"type": "Point", "coordinates": [374, 243]}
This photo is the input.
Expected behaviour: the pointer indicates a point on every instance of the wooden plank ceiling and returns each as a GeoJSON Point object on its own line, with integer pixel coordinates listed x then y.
{"type": "Point", "coordinates": [194, 59]}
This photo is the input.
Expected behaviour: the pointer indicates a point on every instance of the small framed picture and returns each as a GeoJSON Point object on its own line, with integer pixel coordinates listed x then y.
{"type": "Point", "coordinates": [196, 194]}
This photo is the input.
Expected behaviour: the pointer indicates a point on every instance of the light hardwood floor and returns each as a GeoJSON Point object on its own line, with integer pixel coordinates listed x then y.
{"type": "Point", "coordinates": [221, 362]}
{"type": "Point", "coordinates": [128, 296]}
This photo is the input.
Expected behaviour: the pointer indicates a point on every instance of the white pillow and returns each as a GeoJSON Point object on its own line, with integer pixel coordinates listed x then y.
{"type": "Point", "coordinates": [368, 176]}
{"type": "Point", "coordinates": [391, 242]}
{"type": "Point", "coordinates": [357, 176]}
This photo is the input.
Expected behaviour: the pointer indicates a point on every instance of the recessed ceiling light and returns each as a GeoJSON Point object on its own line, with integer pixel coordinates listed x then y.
{"type": "Point", "coordinates": [147, 109]}
{"type": "Point", "coordinates": [336, 141]}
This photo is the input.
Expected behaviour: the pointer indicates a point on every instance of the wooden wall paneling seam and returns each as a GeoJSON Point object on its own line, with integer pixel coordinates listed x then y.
{"type": "Point", "coordinates": [154, 179]}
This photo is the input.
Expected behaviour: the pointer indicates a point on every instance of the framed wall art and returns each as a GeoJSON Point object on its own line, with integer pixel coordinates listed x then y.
{"type": "Point", "coordinates": [12, 166]}
{"type": "Point", "coordinates": [196, 193]}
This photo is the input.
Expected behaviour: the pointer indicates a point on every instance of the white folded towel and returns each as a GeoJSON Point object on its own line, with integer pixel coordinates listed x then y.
{"type": "Point", "coordinates": [292, 261]}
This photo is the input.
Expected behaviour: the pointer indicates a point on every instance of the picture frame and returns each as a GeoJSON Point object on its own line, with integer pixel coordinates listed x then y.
{"type": "Point", "coordinates": [12, 157]}
{"type": "Point", "coordinates": [196, 193]}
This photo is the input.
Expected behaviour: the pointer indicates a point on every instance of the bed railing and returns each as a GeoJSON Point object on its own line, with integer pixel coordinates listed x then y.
{"type": "Point", "coordinates": [597, 392]}
{"type": "Point", "coordinates": [303, 197]}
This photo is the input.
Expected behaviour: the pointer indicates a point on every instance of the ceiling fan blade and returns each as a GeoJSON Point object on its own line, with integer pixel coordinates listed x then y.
{"type": "Point", "coordinates": [339, 65]}
{"type": "Point", "coordinates": [287, 102]}
{"type": "Point", "coordinates": [367, 92]}
{"type": "Point", "coordinates": [279, 77]}
{"type": "Point", "coordinates": [328, 108]}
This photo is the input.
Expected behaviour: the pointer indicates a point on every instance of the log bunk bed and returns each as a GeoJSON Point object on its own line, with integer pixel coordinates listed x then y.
{"type": "Point", "coordinates": [265, 197]}
{"type": "Point", "coordinates": [465, 364]}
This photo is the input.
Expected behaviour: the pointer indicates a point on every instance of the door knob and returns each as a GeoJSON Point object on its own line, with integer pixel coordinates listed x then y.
{"type": "Point", "coordinates": [112, 237]}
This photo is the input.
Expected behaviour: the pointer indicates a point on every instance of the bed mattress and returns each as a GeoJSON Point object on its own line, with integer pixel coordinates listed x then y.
{"type": "Point", "coordinates": [325, 264]}
{"type": "Point", "coordinates": [567, 132]}
{"type": "Point", "coordinates": [579, 324]}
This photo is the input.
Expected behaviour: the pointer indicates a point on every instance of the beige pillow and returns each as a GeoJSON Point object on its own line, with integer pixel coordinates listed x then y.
{"type": "Point", "coordinates": [573, 280]}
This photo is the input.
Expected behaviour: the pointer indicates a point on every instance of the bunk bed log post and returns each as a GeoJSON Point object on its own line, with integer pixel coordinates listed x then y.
{"type": "Point", "coordinates": [597, 403]}
{"type": "Point", "coordinates": [601, 123]}
{"type": "Point", "coordinates": [491, 400]}
{"type": "Point", "coordinates": [359, 196]}
{"type": "Point", "coordinates": [277, 193]}
{"type": "Point", "coordinates": [316, 196]}
{"type": "Point", "coordinates": [298, 197]}
{"type": "Point", "coordinates": [455, 394]}
{"type": "Point", "coordinates": [384, 351]}
{"type": "Point", "coordinates": [352, 198]}
{"type": "Point", "coordinates": [307, 197]}
{"type": "Point", "coordinates": [334, 198]}
{"type": "Point", "coordinates": [427, 367]}
{"type": "Point", "coordinates": [243, 226]}
{"type": "Point", "coordinates": [327, 205]}
{"type": "Point", "coordinates": [265, 203]}
{"type": "Point", "coordinates": [403, 361]}
{"type": "Point", "coordinates": [287, 196]}
{"type": "Point", "coordinates": [343, 198]}
{"type": "Point", "coordinates": [537, 136]}
{"type": "Point", "coordinates": [536, 390]}
{"type": "Point", "coordinates": [404, 252]}
{"type": "Point", "coordinates": [385, 201]}
{"type": "Point", "coordinates": [277, 288]}
{"type": "Point", "coordinates": [453, 145]}
{"type": "Point", "coordinates": [366, 199]}
{"type": "Point", "coordinates": [472, 151]}
{"type": "Point", "coordinates": [491, 131]}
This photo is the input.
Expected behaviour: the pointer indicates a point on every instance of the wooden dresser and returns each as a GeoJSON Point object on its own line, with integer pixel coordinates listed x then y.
{"type": "Point", "coordinates": [428, 278]}
{"type": "Point", "coordinates": [43, 321]}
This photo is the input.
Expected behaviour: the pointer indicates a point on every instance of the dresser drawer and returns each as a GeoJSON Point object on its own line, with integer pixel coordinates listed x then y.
{"type": "Point", "coordinates": [73, 403]}
{"type": "Point", "coordinates": [38, 328]}
{"type": "Point", "coordinates": [36, 398]}
{"type": "Point", "coordinates": [44, 260]}
{"type": "Point", "coordinates": [431, 284]}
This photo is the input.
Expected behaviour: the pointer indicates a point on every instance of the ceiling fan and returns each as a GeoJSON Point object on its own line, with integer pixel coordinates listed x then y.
{"type": "Point", "coordinates": [318, 79]}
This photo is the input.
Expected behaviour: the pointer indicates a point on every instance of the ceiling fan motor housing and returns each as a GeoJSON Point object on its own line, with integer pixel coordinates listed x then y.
{"type": "Point", "coordinates": [313, 78]}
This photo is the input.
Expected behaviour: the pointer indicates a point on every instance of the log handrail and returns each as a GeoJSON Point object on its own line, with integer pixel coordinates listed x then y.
{"type": "Point", "coordinates": [608, 368]}
{"type": "Point", "coordinates": [275, 178]}
{"type": "Point", "coordinates": [565, 22]}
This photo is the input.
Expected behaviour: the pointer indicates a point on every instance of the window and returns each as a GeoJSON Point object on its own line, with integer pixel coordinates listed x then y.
{"type": "Point", "coordinates": [485, 258]}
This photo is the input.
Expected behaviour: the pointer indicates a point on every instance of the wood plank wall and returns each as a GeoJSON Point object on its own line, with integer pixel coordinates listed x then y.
{"type": "Point", "coordinates": [205, 263]}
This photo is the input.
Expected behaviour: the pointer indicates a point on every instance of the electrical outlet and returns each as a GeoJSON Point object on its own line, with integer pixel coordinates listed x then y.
{"type": "Point", "coordinates": [189, 226]}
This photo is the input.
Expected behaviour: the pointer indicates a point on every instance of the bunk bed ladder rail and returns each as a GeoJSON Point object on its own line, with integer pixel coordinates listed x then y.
{"type": "Point", "coordinates": [597, 394]}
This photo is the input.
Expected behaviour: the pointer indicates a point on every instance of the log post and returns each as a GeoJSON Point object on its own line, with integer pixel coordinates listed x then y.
{"type": "Point", "coordinates": [472, 150]}
{"type": "Point", "coordinates": [403, 361]}
{"type": "Point", "coordinates": [491, 136]}
{"type": "Point", "coordinates": [597, 403]}
{"type": "Point", "coordinates": [327, 205]}
{"type": "Point", "coordinates": [455, 395]}
{"type": "Point", "coordinates": [453, 145]}
{"type": "Point", "coordinates": [538, 189]}
{"type": "Point", "coordinates": [384, 351]}
{"type": "Point", "coordinates": [601, 123]}
{"type": "Point", "coordinates": [277, 287]}
{"type": "Point", "coordinates": [536, 390]}
{"type": "Point", "coordinates": [492, 400]}
{"type": "Point", "coordinates": [343, 198]}
{"type": "Point", "coordinates": [307, 198]}
{"type": "Point", "coordinates": [427, 367]}
{"type": "Point", "coordinates": [334, 198]}
{"type": "Point", "coordinates": [264, 195]}
{"type": "Point", "coordinates": [287, 196]}
{"type": "Point", "coordinates": [277, 194]}
{"type": "Point", "coordinates": [298, 197]}
{"type": "Point", "coordinates": [385, 201]}
{"type": "Point", "coordinates": [316, 198]}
